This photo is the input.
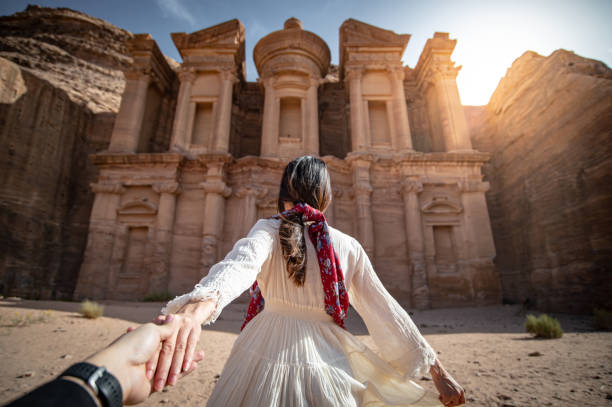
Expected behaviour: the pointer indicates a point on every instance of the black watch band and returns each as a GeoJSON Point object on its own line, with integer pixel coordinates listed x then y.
{"type": "Point", "coordinates": [101, 381]}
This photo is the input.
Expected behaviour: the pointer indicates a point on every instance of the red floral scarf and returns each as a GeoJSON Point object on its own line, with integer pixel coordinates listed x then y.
{"type": "Point", "coordinates": [336, 297]}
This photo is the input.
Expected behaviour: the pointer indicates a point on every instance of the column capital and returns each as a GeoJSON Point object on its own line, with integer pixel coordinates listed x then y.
{"type": "Point", "coordinates": [228, 74]}
{"type": "Point", "coordinates": [473, 186]}
{"type": "Point", "coordinates": [443, 71]}
{"type": "Point", "coordinates": [114, 188]}
{"type": "Point", "coordinates": [396, 72]}
{"type": "Point", "coordinates": [412, 186]}
{"type": "Point", "coordinates": [251, 190]}
{"type": "Point", "coordinates": [142, 74]}
{"type": "Point", "coordinates": [216, 187]}
{"type": "Point", "coordinates": [353, 72]}
{"type": "Point", "coordinates": [187, 75]}
{"type": "Point", "coordinates": [167, 188]}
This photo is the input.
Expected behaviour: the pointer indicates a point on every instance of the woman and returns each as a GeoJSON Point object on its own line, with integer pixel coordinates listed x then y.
{"type": "Point", "coordinates": [295, 352]}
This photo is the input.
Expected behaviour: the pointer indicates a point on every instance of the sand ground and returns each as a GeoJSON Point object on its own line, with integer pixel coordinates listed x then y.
{"type": "Point", "coordinates": [485, 349]}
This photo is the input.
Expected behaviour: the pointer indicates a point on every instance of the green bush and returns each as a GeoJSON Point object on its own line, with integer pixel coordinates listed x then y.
{"type": "Point", "coordinates": [602, 319]}
{"type": "Point", "coordinates": [156, 297]}
{"type": "Point", "coordinates": [543, 326]}
{"type": "Point", "coordinates": [91, 309]}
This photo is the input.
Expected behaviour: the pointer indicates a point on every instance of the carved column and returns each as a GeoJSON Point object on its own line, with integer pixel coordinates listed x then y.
{"type": "Point", "coordinates": [224, 118]}
{"type": "Point", "coordinates": [93, 277]}
{"type": "Point", "coordinates": [269, 131]}
{"type": "Point", "coordinates": [476, 221]}
{"type": "Point", "coordinates": [180, 138]}
{"type": "Point", "coordinates": [251, 195]}
{"type": "Point", "coordinates": [400, 112]}
{"type": "Point", "coordinates": [353, 76]}
{"type": "Point", "coordinates": [416, 248]}
{"type": "Point", "coordinates": [363, 192]}
{"type": "Point", "coordinates": [454, 125]}
{"type": "Point", "coordinates": [162, 250]}
{"type": "Point", "coordinates": [128, 124]}
{"type": "Point", "coordinates": [215, 191]}
{"type": "Point", "coordinates": [311, 144]}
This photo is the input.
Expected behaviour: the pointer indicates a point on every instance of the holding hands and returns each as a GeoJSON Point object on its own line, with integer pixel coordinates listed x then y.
{"type": "Point", "coordinates": [178, 352]}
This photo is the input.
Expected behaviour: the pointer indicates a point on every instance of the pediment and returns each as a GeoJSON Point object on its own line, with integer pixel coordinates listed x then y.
{"type": "Point", "coordinates": [137, 207]}
{"type": "Point", "coordinates": [354, 32]}
{"type": "Point", "coordinates": [229, 34]}
{"type": "Point", "coordinates": [441, 205]}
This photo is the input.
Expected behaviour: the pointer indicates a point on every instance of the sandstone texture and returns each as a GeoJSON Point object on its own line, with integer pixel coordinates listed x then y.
{"type": "Point", "coordinates": [549, 128]}
{"type": "Point", "coordinates": [58, 101]}
{"type": "Point", "coordinates": [77, 53]}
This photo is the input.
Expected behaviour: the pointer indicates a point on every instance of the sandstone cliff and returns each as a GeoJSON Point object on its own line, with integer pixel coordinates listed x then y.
{"type": "Point", "coordinates": [77, 53]}
{"type": "Point", "coordinates": [58, 100]}
{"type": "Point", "coordinates": [549, 127]}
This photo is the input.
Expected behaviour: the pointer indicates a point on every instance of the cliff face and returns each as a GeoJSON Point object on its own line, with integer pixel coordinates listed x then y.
{"type": "Point", "coordinates": [58, 100]}
{"type": "Point", "coordinates": [549, 127]}
{"type": "Point", "coordinates": [77, 53]}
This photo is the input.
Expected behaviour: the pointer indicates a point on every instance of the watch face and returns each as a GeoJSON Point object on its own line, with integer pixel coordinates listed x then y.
{"type": "Point", "coordinates": [101, 381]}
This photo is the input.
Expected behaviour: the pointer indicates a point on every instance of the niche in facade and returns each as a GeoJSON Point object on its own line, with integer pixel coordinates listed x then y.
{"type": "Point", "coordinates": [130, 279]}
{"type": "Point", "coordinates": [377, 96]}
{"type": "Point", "coordinates": [444, 243]}
{"type": "Point", "coordinates": [203, 124]}
{"type": "Point", "coordinates": [290, 126]}
{"type": "Point", "coordinates": [380, 133]}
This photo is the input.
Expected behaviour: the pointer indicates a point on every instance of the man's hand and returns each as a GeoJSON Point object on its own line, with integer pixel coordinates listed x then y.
{"type": "Point", "coordinates": [126, 358]}
{"type": "Point", "coordinates": [178, 350]}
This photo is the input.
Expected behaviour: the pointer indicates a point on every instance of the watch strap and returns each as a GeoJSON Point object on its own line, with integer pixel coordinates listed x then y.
{"type": "Point", "coordinates": [101, 381]}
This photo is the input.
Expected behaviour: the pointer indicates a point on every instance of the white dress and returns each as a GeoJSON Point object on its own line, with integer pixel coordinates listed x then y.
{"type": "Point", "coordinates": [292, 353]}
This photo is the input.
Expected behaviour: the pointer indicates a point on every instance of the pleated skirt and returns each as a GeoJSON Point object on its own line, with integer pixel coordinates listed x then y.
{"type": "Point", "coordinates": [293, 356]}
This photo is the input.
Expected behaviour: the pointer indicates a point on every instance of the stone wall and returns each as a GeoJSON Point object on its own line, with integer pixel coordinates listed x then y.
{"type": "Point", "coordinates": [45, 198]}
{"type": "Point", "coordinates": [549, 127]}
{"type": "Point", "coordinates": [334, 132]}
{"type": "Point", "coordinates": [59, 98]}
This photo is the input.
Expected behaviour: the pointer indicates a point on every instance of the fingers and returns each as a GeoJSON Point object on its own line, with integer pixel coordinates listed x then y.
{"type": "Point", "coordinates": [192, 342]}
{"type": "Point", "coordinates": [164, 362]}
{"type": "Point", "coordinates": [179, 355]}
{"type": "Point", "coordinates": [152, 364]}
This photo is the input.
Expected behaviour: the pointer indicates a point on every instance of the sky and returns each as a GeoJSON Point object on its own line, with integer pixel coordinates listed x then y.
{"type": "Point", "coordinates": [491, 34]}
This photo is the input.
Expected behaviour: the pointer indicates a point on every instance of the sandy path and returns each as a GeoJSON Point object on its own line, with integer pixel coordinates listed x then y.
{"type": "Point", "coordinates": [484, 348]}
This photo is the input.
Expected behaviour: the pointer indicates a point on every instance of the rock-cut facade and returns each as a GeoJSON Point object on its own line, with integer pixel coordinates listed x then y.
{"type": "Point", "coordinates": [196, 156]}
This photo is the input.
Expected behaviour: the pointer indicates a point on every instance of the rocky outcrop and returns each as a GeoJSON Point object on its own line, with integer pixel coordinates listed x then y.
{"type": "Point", "coordinates": [549, 127]}
{"type": "Point", "coordinates": [58, 101]}
{"type": "Point", "coordinates": [77, 53]}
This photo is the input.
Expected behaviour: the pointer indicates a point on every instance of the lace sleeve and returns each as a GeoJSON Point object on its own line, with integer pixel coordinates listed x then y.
{"type": "Point", "coordinates": [396, 336]}
{"type": "Point", "coordinates": [227, 279]}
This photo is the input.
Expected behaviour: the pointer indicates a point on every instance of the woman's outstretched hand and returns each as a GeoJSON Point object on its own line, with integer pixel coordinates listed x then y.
{"type": "Point", "coordinates": [178, 351]}
{"type": "Point", "coordinates": [451, 393]}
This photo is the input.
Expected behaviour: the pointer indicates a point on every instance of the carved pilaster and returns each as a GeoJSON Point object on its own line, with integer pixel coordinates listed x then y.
{"type": "Point", "coordinates": [252, 195]}
{"type": "Point", "coordinates": [215, 192]}
{"type": "Point", "coordinates": [411, 188]}
{"type": "Point", "coordinates": [362, 191]}
{"type": "Point", "coordinates": [180, 138]}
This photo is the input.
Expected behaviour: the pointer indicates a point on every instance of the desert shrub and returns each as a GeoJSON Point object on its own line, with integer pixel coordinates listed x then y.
{"type": "Point", "coordinates": [543, 326]}
{"type": "Point", "coordinates": [602, 319]}
{"type": "Point", "coordinates": [91, 309]}
{"type": "Point", "coordinates": [161, 296]}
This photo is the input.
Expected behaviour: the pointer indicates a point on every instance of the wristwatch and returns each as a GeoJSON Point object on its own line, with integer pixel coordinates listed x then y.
{"type": "Point", "coordinates": [101, 381]}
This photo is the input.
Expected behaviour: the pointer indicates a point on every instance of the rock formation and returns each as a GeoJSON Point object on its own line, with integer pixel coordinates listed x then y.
{"type": "Point", "coordinates": [58, 101]}
{"type": "Point", "coordinates": [549, 128]}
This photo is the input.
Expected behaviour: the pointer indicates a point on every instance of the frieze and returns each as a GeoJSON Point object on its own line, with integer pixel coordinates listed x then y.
{"type": "Point", "coordinates": [473, 186]}
{"type": "Point", "coordinates": [115, 188]}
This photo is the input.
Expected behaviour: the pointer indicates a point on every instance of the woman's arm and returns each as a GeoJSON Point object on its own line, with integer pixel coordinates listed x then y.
{"type": "Point", "coordinates": [395, 334]}
{"type": "Point", "coordinates": [225, 281]}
